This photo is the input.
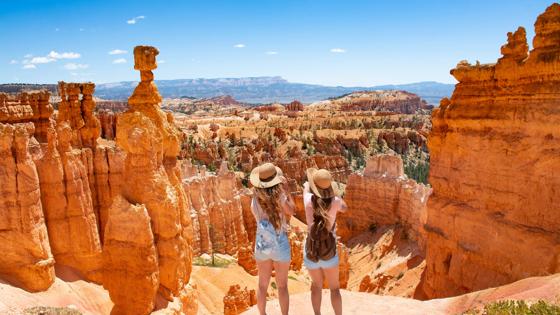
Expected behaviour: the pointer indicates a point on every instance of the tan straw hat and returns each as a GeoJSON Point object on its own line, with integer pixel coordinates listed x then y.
{"type": "Point", "coordinates": [266, 176]}
{"type": "Point", "coordinates": [321, 183]}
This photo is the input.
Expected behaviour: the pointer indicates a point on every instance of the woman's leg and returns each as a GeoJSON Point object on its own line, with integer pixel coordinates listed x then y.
{"type": "Point", "coordinates": [334, 285]}
{"type": "Point", "coordinates": [316, 289]}
{"type": "Point", "coordinates": [265, 272]}
{"type": "Point", "coordinates": [282, 269]}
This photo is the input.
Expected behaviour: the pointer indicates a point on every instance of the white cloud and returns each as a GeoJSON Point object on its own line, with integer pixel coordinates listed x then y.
{"type": "Point", "coordinates": [40, 60]}
{"type": "Point", "coordinates": [65, 55]}
{"type": "Point", "coordinates": [13, 62]}
{"type": "Point", "coordinates": [161, 61]}
{"type": "Point", "coordinates": [75, 66]}
{"type": "Point", "coordinates": [338, 50]}
{"type": "Point", "coordinates": [239, 46]}
{"type": "Point", "coordinates": [117, 52]}
{"type": "Point", "coordinates": [271, 53]}
{"type": "Point", "coordinates": [120, 60]}
{"type": "Point", "coordinates": [51, 57]}
{"type": "Point", "coordinates": [136, 19]}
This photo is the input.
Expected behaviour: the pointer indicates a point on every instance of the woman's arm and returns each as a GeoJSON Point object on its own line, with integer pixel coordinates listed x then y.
{"type": "Point", "coordinates": [287, 202]}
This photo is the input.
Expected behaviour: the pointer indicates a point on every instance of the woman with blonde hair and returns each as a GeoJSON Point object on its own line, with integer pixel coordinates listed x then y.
{"type": "Point", "coordinates": [322, 203]}
{"type": "Point", "coordinates": [271, 206]}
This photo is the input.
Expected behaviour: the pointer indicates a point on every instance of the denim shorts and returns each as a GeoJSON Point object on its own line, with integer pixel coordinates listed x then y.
{"type": "Point", "coordinates": [271, 245]}
{"type": "Point", "coordinates": [325, 264]}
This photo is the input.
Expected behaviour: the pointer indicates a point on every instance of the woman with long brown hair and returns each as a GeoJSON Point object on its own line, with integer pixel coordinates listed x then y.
{"type": "Point", "coordinates": [271, 206]}
{"type": "Point", "coordinates": [322, 203]}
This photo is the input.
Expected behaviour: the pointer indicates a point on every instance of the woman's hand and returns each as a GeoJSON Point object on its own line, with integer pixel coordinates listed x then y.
{"type": "Point", "coordinates": [306, 187]}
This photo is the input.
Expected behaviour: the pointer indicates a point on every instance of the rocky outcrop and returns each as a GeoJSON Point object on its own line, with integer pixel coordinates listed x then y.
{"type": "Point", "coordinates": [238, 301]}
{"type": "Point", "coordinates": [26, 261]}
{"type": "Point", "coordinates": [152, 180]}
{"type": "Point", "coordinates": [295, 106]}
{"type": "Point", "coordinates": [66, 195]}
{"type": "Point", "coordinates": [216, 209]}
{"type": "Point", "coordinates": [28, 107]}
{"type": "Point", "coordinates": [391, 101]}
{"type": "Point", "coordinates": [130, 259]}
{"type": "Point", "coordinates": [108, 121]}
{"type": "Point", "coordinates": [76, 107]}
{"type": "Point", "coordinates": [383, 195]}
{"type": "Point", "coordinates": [493, 217]}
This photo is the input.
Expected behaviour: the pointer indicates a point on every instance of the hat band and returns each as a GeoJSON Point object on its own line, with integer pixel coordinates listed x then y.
{"type": "Point", "coordinates": [269, 178]}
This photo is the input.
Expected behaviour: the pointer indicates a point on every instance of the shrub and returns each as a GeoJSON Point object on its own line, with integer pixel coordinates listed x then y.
{"type": "Point", "coordinates": [517, 308]}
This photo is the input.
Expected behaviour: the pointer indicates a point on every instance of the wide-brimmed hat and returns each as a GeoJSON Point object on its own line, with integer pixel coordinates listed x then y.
{"type": "Point", "coordinates": [321, 183]}
{"type": "Point", "coordinates": [266, 176]}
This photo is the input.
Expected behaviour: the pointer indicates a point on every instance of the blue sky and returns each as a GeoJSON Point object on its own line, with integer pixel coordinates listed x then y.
{"type": "Point", "coordinates": [342, 42]}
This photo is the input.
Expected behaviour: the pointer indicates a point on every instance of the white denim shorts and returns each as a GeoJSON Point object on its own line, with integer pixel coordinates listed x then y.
{"type": "Point", "coordinates": [271, 245]}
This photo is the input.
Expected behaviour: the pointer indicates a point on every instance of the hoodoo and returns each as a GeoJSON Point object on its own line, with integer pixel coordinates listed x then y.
{"type": "Point", "coordinates": [151, 142]}
{"type": "Point", "coordinates": [493, 217]}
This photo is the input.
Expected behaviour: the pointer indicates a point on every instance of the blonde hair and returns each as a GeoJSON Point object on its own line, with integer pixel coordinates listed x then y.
{"type": "Point", "coordinates": [321, 207]}
{"type": "Point", "coordinates": [269, 200]}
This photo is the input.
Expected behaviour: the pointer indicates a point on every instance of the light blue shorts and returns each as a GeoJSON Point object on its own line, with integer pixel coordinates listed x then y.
{"type": "Point", "coordinates": [271, 245]}
{"type": "Point", "coordinates": [325, 264]}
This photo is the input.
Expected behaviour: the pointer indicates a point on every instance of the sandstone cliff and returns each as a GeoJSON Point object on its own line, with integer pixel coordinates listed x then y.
{"type": "Point", "coordinates": [493, 217]}
{"type": "Point", "coordinates": [27, 260]}
{"type": "Point", "coordinates": [384, 196]}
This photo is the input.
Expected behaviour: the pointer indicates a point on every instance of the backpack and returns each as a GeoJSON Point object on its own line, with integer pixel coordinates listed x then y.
{"type": "Point", "coordinates": [321, 242]}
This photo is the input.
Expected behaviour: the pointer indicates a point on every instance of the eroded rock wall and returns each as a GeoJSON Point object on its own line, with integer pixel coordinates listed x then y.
{"type": "Point", "coordinates": [493, 217]}
{"type": "Point", "coordinates": [26, 259]}
{"type": "Point", "coordinates": [383, 195]}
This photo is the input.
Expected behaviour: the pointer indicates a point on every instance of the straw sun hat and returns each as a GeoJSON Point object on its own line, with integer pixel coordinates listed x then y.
{"type": "Point", "coordinates": [321, 183]}
{"type": "Point", "coordinates": [266, 176]}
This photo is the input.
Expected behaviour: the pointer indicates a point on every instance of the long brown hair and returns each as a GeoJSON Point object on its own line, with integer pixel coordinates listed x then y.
{"type": "Point", "coordinates": [321, 207]}
{"type": "Point", "coordinates": [269, 200]}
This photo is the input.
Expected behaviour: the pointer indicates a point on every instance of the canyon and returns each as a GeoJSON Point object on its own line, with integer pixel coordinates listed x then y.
{"type": "Point", "coordinates": [144, 206]}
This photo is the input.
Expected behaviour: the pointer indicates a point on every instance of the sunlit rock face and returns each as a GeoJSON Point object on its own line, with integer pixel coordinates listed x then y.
{"type": "Point", "coordinates": [27, 260]}
{"type": "Point", "coordinates": [383, 195]}
{"type": "Point", "coordinates": [151, 181]}
{"type": "Point", "coordinates": [493, 217]}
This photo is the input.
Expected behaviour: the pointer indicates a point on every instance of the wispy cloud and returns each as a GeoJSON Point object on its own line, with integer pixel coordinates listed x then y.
{"type": "Point", "coordinates": [13, 62]}
{"type": "Point", "coordinates": [136, 19]}
{"type": "Point", "coordinates": [39, 60]}
{"type": "Point", "coordinates": [75, 66]}
{"type": "Point", "coordinates": [338, 50]}
{"type": "Point", "coordinates": [29, 66]}
{"type": "Point", "coordinates": [239, 46]}
{"type": "Point", "coordinates": [120, 60]}
{"type": "Point", "coordinates": [65, 55]}
{"type": "Point", "coordinates": [271, 53]}
{"type": "Point", "coordinates": [117, 52]}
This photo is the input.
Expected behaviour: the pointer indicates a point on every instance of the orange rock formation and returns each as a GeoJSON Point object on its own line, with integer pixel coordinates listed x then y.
{"type": "Point", "coordinates": [237, 301]}
{"type": "Point", "coordinates": [493, 217]}
{"type": "Point", "coordinates": [384, 196]}
{"type": "Point", "coordinates": [27, 260]}
{"type": "Point", "coordinates": [152, 175]}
